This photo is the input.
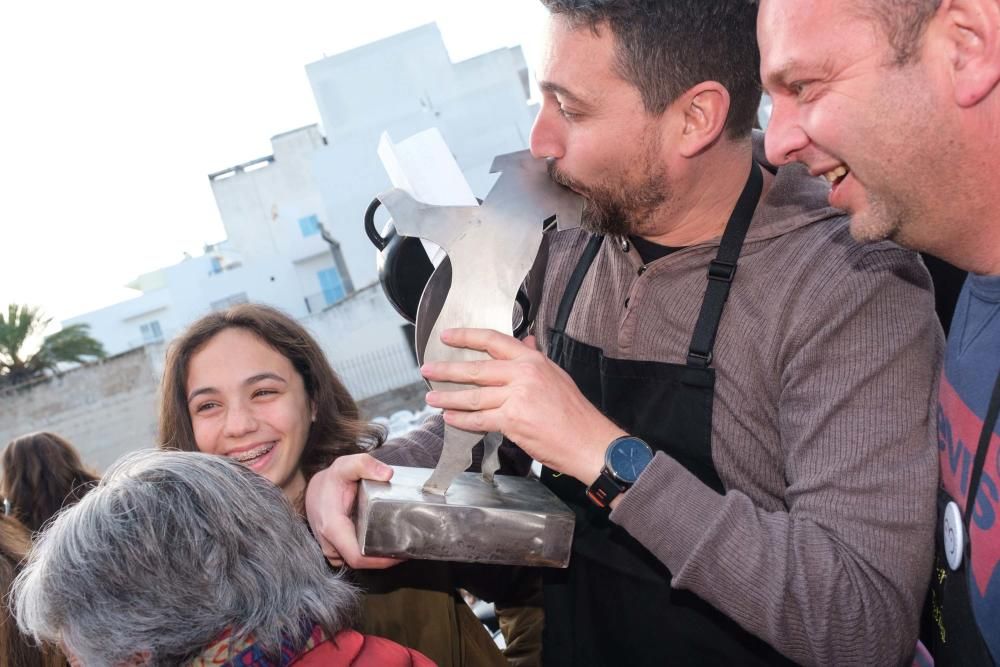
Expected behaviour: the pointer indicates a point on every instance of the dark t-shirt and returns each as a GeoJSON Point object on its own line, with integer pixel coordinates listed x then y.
{"type": "Point", "coordinates": [648, 250]}
{"type": "Point", "coordinates": [971, 365]}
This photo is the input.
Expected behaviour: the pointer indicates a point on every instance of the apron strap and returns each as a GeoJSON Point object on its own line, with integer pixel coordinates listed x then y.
{"type": "Point", "coordinates": [721, 271]}
{"type": "Point", "coordinates": [575, 281]}
{"type": "Point", "coordinates": [984, 443]}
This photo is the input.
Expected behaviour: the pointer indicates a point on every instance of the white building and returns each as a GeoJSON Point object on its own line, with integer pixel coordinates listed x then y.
{"type": "Point", "coordinates": [271, 208]}
{"type": "Point", "coordinates": [175, 296]}
{"type": "Point", "coordinates": [403, 85]}
{"type": "Point", "coordinates": [275, 253]}
{"type": "Point", "coordinates": [294, 219]}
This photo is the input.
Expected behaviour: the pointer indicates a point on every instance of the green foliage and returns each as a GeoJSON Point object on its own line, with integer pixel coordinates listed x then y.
{"type": "Point", "coordinates": [23, 324]}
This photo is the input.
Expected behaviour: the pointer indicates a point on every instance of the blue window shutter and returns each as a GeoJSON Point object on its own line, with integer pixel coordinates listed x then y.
{"type": "Point", "coordinates": [332, 285]}
{"type": "Point", "coordinates": [309, 225]}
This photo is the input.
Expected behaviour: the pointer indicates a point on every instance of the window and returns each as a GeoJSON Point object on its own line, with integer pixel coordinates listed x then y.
{"type": "Point", "coordinates": [151, 332]}
{"type": "Point", "coordinates": [231, 300]}
{"type": "Point", "coordinates": [309, 225]}
{"type": "Point", "coordinates": [332, 286]}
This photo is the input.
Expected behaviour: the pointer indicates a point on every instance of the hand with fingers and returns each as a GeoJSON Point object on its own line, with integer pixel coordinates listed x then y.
{"type": "Point", "coordinates": [330, 499]}
{"type": "Point", "coordinates": [527, 397]}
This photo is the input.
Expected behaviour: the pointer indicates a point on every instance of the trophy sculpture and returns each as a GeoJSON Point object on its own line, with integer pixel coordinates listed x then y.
{"type": "Point", "coordinates": [449, 514]}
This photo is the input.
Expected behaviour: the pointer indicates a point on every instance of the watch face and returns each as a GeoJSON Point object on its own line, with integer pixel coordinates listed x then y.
{"type": "Point", "coordinates": [627, 458]}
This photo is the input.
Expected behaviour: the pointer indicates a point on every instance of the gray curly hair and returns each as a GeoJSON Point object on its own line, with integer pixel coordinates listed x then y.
{"type": "Point", "coordinates": [167, 552]}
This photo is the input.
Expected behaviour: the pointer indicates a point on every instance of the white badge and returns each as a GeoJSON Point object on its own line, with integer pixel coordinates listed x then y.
{"type": "Point", "coordinates": [954, 535]}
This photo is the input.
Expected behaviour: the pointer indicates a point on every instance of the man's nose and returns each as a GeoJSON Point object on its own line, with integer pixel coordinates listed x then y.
{"type": "Point", "coordinates": [784, 137]}
{"type": "Point", "coordinates": [545, 138]}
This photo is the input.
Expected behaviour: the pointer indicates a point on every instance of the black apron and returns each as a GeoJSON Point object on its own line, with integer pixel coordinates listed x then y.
{"type": "Point", "coordinates": [957, 640]}
{"type": "Point", "coordinates": [614, 604]}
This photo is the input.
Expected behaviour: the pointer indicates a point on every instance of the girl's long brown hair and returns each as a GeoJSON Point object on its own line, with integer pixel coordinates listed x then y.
{"type": "Point", "coordinates": [338, 428]}
{"type": "Point", "coordinates": [16, 650]}
{"type": "Point", "coordinates": [42, 473]}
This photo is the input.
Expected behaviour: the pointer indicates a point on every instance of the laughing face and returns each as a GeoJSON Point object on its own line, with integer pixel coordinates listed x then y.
{"type": "Point", "coordinates": [846, 109]}
{"type": "Point", "coordinates": [247, 402]}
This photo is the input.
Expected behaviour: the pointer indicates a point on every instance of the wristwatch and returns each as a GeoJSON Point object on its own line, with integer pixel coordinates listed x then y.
{"type": "Point", "coordinates": [625, 459]}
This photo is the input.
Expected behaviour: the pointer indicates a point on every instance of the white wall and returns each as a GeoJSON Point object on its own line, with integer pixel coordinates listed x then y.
{"type": "Point", "coordinates": [118, 327]}
{"type": "Point", "coordinates": [261, 204]}
{"type": "Point", "coordinates": [192, 288]}
{"type": "Point", "coordinates": [363, 338]}
{"type": "Point", "coordinates": [406, 84]}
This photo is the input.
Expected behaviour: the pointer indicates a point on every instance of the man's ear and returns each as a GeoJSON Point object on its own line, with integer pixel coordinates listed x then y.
{"type": "Point", "coordinates": [705, 108]}
{"type": "Point", "coordinates": [971, 29]}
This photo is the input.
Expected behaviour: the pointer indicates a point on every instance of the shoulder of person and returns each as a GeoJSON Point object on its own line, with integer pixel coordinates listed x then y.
{"type": "Point", "coordinates": [566, 240]}
{"type": "Point", "coordinates": [353, 648]}
{"type": "Point", "coordinates": [829, 256]}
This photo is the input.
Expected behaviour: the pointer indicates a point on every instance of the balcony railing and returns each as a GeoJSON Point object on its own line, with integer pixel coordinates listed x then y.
{"type": "Point", "coordinates": [378, 371]}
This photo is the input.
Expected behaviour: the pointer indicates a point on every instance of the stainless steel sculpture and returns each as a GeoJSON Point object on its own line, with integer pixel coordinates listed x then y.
{"type": "Point", "coordinates": [490, 249]}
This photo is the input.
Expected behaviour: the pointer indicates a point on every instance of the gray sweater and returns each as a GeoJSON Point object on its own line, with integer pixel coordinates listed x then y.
{"type": "Point", "coordinates": [823, 431]}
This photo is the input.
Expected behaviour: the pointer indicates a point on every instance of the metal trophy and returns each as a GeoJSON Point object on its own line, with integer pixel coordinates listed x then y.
{"type": "Point", "coordinates": [447, 513]}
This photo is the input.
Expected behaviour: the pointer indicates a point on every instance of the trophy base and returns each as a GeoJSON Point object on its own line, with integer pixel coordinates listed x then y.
{"type": "Point", "coordinates": [516, 521]}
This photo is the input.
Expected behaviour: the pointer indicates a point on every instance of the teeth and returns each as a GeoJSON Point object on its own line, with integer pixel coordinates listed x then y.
{"type": "Point", "coordinates": [839, 172]}
{"type": "Point", "coordinates": [253, 453]}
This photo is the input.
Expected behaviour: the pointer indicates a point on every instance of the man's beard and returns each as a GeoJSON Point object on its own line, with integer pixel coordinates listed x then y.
{"type": "Point", "coordinates": [619, 208]}
{"type": "Point", "coordinates": [883, 220]}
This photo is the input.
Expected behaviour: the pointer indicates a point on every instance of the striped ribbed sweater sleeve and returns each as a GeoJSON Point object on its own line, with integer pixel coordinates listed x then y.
{"type": "Point", "coordinates": [838, 578]}
{"type": "Point", "coordinates": [420, 448]}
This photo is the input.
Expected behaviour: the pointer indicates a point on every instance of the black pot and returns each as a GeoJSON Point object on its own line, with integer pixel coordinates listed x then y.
{"type": "Point", "coordinates": [403, 265]}
{"type": "Point", "coordinates": [404, 269]}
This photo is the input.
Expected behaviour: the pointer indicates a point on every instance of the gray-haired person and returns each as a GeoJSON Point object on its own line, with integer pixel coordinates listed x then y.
{"type": "Point", "coordinates": [182, 558]}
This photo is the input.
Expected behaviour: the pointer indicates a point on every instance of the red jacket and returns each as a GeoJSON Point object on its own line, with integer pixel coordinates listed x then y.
{"type": "Point", "coordinates": [350, 648]}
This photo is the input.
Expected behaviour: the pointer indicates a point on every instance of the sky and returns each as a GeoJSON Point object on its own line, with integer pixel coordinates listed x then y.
{"type": "Point", "coordinates": [114, 112]}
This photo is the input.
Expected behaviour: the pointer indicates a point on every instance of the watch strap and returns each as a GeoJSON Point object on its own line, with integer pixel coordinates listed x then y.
{"type": "Point", "coordinates": [604, 489]}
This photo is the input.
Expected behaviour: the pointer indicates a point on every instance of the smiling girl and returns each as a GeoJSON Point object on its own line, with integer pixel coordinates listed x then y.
{"type": "Point", "coordinates": [251, 384]}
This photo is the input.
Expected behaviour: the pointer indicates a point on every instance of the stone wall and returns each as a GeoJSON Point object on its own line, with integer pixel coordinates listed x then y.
{"type": "Point", "coordinates": [105, 409]}
{"type": "Point", "coordinates": [410, 397]}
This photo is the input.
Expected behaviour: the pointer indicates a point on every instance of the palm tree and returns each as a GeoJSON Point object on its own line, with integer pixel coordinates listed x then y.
{"type": "Point", "coordinates": [23, 324]}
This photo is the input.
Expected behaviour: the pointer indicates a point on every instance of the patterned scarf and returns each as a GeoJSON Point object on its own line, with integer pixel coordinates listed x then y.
{"type": "Point", "coordinates": [246, 653]}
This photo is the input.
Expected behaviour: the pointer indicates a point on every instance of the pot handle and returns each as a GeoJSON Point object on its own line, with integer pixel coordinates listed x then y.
{"type": "Point", "coordinates": [377, 239]}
